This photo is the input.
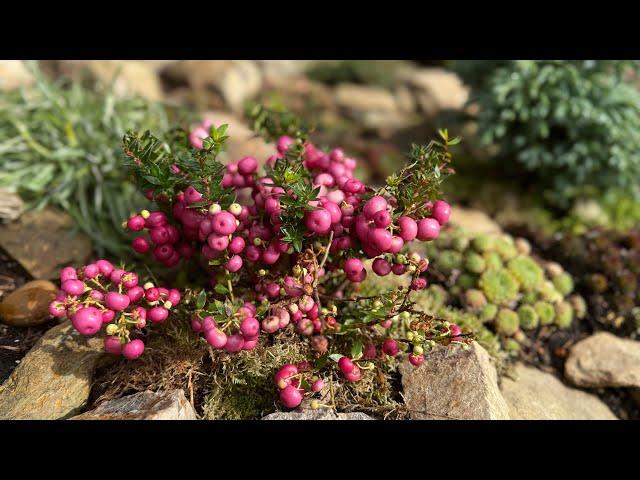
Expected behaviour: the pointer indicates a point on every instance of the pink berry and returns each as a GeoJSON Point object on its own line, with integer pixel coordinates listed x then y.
{"type": "Point", "coordinates": [271, 324]}
{"type": "Point", "coordinates": [390, 347]}
{"type": "Point", "coordinates": [108, 316]}
{"type": "Point", "coordinates": [158, 314]}
{"type": "Point", "coordinates": [152, 294]}
{"type": "Point", "coordinates": [112, 345]}
{"type": "Point", "coordinates": [216, 338]}
{"type": "Point", "coordinates": [418, 284]}
{"type": "Point", "coordinates": [382, 219]}
{"type": "Point", "coordinates": [290, 396]}
{"type": "Point", "coordinates": [398, 268]}
{"type": "Point", "coordinates": [91, 271]}
{"type": "Point", "coordinates": [247, 165]}
{"type": "Point", "coordinates": [156, 219]}
{"type": "Point", "coordinates": [396, 244]}
{"type": "Point", "coordinates": [159, 235]}
{"type": "Point", "coordinates": [373, 206]}
{"type": "Point", "coordinates": [174, 296]}
{"type": "Point", "coordinates": [380, 239]}
{"type": "Point", "coordinates": [284, 142]}
{"type": "Point", "coordinates": [73, 287]}
{"type": "Point", "coordinates": [237, 245]}
{"type": "Point", "coordinates": [250, 327]}
{"type": "Point", "coordinates": [381, 267]}
{"type": "Point", "coordinates": [318, 221]}
{"type": "Point", "coordinates": [369, 352]}
{"type": "Point", "coordinates": [233, 264]}
{"type": "Point", "coordinates": [57, 308]}
{"type": "Point", "coordinates": [223, 223]}
{"type": "Point", "coordinates": [218, 243]}
{"type": "Point", "coordinates": [455, 330]}
{"type": "Point", "coordinates": [135, 223]}
{"type": "Point", "coordinates": [68, 273]}
{"type": "Point", "coordinates": [346, 365]}
{"type": "Point", "coordinates": [428, 229]}
{"type": "Point", "coordinates": [317, 385]}
{"type": "Point", "coordinates": [408, 228]}
{"type": "Point", "coordinates": [283, 375]}
{"type": "Point", "coordinates": [116, 275]}
{"type": "Point", "coordinates": [87, 320]}
{"type": "Point", "coordinates": [354, 375]}
{"type": "Point", "coordinates": [353, 266]}
{"type": "Point", "coordinates": [441, 212]}
{"type": "Point", "coordinates": [117, 301]}
{"type": "Point", "coordinates": [133, 349]}
{"type": "Point", "coordinates": [135, 293]}
{"type": "Point", "coordinates": [191, 195]}
{"type": "Point", "coordinates": [130, 280]}
{"type": "Point", "coordinates": [234, 343]}
{"type": "Point", "coordinates": [416, 360]}
{"type": "Point", "coordinates": [140, 245]}
{"type": "Point", "coordinates": [105, 267]}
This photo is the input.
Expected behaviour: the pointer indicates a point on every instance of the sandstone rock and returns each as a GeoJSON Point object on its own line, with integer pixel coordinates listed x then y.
{"type": "Point", "coordinates": [435, 90]}
{"type": "Point", "coordinates": [128, 76]}
{"type": "Point", "coordinates": [604, 360]}
{"type": "Point", "coordinates": [319, 414]}
{"type": "Point", "coordinates": [536, 395]}
{"type": "Point", "coordinates": [361, 99]}
{"type": "Point", "coordinates": [473, 221]}
{"type": "Point", "coordinates": [240, 83]}
{"type": "Point", "coordinates": [11, 206]}
{"type": "Point", "coordinates": [453, 384]}
{"type": "Point", "coordinates": [273, 69]}
{"type": "Point", "coordinates": [171, 405]}
{"type": "Point", "coordinates": [242, 140]}
{"type": "Point", "coordinates": [44, 241]}
{"type": "Point", "coordinates": [54, 379]}
{"type": "Point", "coordinates": [13, 74]}
{"type": "Point", "coordinates": [28, 305]}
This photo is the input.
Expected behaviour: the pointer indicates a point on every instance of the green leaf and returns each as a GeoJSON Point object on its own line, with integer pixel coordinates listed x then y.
{"type": "Point", "coordinates": [335, 357]}
{"type": "Point", "coordinates": [221, 289]}
{"type": "Point", "coordinates": [201, 300]}
{"type": "Point", "coordinates": [356, 349]}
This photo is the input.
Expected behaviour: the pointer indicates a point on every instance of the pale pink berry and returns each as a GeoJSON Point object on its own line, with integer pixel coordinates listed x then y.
{"type": "Point", "coordinates": [223, 223]}
{"type": "Point", "coordinates": [215, 337]}
{"type": "Point", "coordinates": [373, 206]}
{"type": "Point", "coordinates": [441, 211]}
{"type": "Point", "coordinates": [247, 165]}
{"type": "Point", "coordinates": [57, 308]}
{"type": "Point", "coordinates": [117, 301]}
{"type": "Point", "coordinates": [408, 228]}
{"type": "Point", "coordinates": [158, 314]}
{"type": "Point", "coordinates": [250, 327]}
{"type": "Point", "coordinates": [353, 266]}
{"type": "Point", "coordinates": [234, 343]}
{"type": "Point", "coordinates": [112, 345]}
{"type": "Point", "coordinates": [428, 229]}
{"type": "Point", "coordinates": [318, 221]}
{"type": "Point", "coordinates": [380, 239]}
{"type": "Point", "coordinates": [233, 264]}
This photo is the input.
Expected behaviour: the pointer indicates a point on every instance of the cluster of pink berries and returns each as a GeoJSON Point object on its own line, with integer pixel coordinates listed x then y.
{"type": "Point", "coordinates": [99, 294]}
{"type": "Point", "coordinates": [289, 378]}
{"type": "Point", "coordinates": [239, 332]}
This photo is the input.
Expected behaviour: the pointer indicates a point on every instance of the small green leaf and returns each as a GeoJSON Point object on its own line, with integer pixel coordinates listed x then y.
{"type": "Point", "coordinates": [335, 357]}
{"type": "Point", "coordinates": [356, 349]}
{"type": "Point", "coordinates": [221, 289]}
{"type": "Point", "coordinates": [201, 300]}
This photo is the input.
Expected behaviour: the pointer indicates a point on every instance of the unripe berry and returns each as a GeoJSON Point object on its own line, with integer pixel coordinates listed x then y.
{"type": "Point", "coordinates": [111, 329]}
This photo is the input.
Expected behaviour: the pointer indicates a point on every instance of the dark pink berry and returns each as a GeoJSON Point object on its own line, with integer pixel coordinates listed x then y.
{"type": "Point", "coordinates": [158, 314]}
{"type": "Point", "coordinates": [283, 375]}
{"type": "Point", "coordinates": [290, 396]}
{"type": "Point", "coordinates": [416, 360]}
{"type": "Point", "coordinates": [237, 245]}
{"type": "Point", "coordinates": [234, 343]}
{"type": "Point", "coordinates": [381, 267]}
{"type": "Point", "coordinates": [382, 219]}
{"type": "Point", "coordinates": [191, 195]}
{"type": "Point", "coordinates": [428, 229]}
{"type": "Point", "coordinates": [112, 345]}
{"type": "Point", "coordinates": [380, 239]}
{"type": "Point", "coordinates": [135, 293]}
{"type": "Point", "coordinates": [373, 206]}
{"type": "Point", "coordinates": [346, 365]}
{"type": "Point", "coordinates": [136, 223]}
{"type": "Point", "coordinates": [353, 266]}
{"type": "Point", "coordinates": [390, 347]}
{"type": "Point", "coordinates": [133, 349]}
{"type": "Point", "coordinates": [408, 228]}
{"type": "Point", "coordinates": [140, 245]}
{"type": "Point", "coordinates": [91, 271]}
{"type": "Point", "coordinates": [87, 320]}
{"type": "Point", "coordinates": [354, 375]}
{"type": "Point", "coordinates": [57, 308]}
{"type": "Point", "coordinates": [117, 301]}
{"type": "Point", "coordinates": [108, 316]}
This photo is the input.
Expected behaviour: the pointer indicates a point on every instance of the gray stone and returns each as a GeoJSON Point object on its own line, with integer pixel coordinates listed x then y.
{"type": "Point", "coordinates": [28, 305]}
{"type": "Point", "coordinates": [536, 395]}
{"type": "Point", "coordinates": [453, 383]}
{"type": "Point", "coordinates": [604, 360]}
{"type": "Point", "coordinates": [171, 405]}
{"type": "Point", "coordinates": [319, 414]}
{"type": "Point", "coordinates": [44, 241]}
{"type": "Point", "coordinates": [53, 380]}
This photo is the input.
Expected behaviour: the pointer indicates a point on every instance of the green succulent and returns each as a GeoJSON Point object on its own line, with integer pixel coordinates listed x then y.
{"type": "Point", "coordinates": [563, 283]}
{"type": "Point", "coordinates": [564, 315]}
{"type": "Point", "coordinates": [466, 280]}
{"type": "Point", "coordinates": [505, 247]}
{"type": "Point", "coordinates": [507, 322]}
{"type": "Point", "coordinates": [548, 292]}
{"type": "Point", "coordinates": [526, 271]}
{"type": "Point", "coordinates": [448, 260]}
{"type": "Point", "coordinates": [493, 260]}
{"type": "Point", "coordinates": [488, 312]}
{"type": "Point", "coordinates": [511, 346]}
{"type": "Point", "coordinates": [529, 298]}
{"type": "Point", "coordinates": [474, 262]}
{"type": "Point", "coordinates": [460, 243]}
{"type": "Point", "coordinates": [499, 286]}
{"type": "Point", "coordinates": [483, 242]}
{"type": "Point", "coordinates": [474, 299]}
{"type": "Point", "coordinates": [528, 317]}
{"type": "Point", "coordinates": [546, 312]}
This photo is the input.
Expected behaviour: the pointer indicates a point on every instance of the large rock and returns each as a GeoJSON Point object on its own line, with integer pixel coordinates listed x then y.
{"type": "Point", "coordinates": [453, 383]}
{"type": "Point", "coordinates": [13, 74]}
{"type": "Point", "coordinates": [536, 395]}
{"type": "Point", "coordinates": [473, 221]}
{"type": "Point", "coordinates": [374, 107]}
{"type": "Point", "coordinates": [28, 305]}
{"type": "Point", "coordinates": [319, 414]}
{"type": "Point", "coordinates": [435, 90]}
{"type": "Point", "coordinates": [44, 241]}
{"type": "Point", "coordinates": [216, 83]}
{"type": "Point", "coordinates": [242, 140]}
{"type": "Point", "coordinates": [604, 360]}
{"type": "Point", "coordinates": [274, 69]}
{"type": "Point", "coordinates": [171, 405]}
{"type": "Point", "coordinates": [11, 206]}
{"type": "Point", "coordinates": [54, 379]}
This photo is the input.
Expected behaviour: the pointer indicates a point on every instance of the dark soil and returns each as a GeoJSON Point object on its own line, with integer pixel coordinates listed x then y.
{"type": "Point", "coordinates": [15, 342]}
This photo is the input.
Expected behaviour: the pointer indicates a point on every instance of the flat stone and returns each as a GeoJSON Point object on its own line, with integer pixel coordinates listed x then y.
{"type": "Point", "coordinates": [171, 405]}
{"type": "Point", "coordinates": [53, 380]}
{"type": "Point", "coordinates": [604, 360]}
{"type": "Point", "coordinates": [364, 98]}
{"type": "Point", "coordinates": [453, 384]}
{"type": "Point", "coordinates": [28, 305]}
{"type": "Point", "coordinates": [537, 395]}
{"type": "Point", "coordinates": [44, 241]}
{"type": "Point", "coordinates": [11, 206]}
{"type": "Point", "coordinates": [436, 90]}
{"type": "Point", "coordinates": [319, 414]}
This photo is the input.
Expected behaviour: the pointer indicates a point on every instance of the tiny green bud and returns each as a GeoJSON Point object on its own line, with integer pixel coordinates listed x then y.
{"type": "Point", "coordinates": [405, 315]}
{"type": "Point", "coordinates": [262, 272]}
{"type": "Point", "coordinates": [410, 336]}
{"type": "Point", "coordinates": [257, 241]}
{"type": "Point", "coordinates": [112, 329]}
{"type": "Point", "coordinates": [168, 304]}
{"type": "Point", "coordinates": [315, 404]}
{"type": "Point", "coordinates": [418, 350]}
{"type": "Point", "coordinates": [145, 214]}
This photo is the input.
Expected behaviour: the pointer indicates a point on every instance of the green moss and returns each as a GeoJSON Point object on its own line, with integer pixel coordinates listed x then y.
{"type": "Point", "coordinates": [432, 298]}
{"type": "Point", "coordinates": [546, 312]}
{"type": "Point", "coordinates": [499, 286]}
{"type": "Point", "coordinates": [493, 260]}
{"type": "Point", "coordinates": [460, 243]}
{"type": "Point", "coordinates": [548, 292]}
{"type": "Point", "coordinates": [474, 262]}
{"type": "Point", "coordinates": [506, 322]}
{"type": "Point", "coordinates": [511, 346]}
{"type": "Point", "coordinates": [564, 315]}
{"type": "Point", "coordinates": [526, 271]}
{"type": "Point", "coordinates": [488, 312]}
{"type": "Point", "coordinates": [483, 243]}
{"type": "Point", "coordinates": [528, 317]}
{"type": "Point", "coordinates": [474, 299]}
{"type": "Point", "coordinates": [563, 283]}
{"type": "Point", "coordinates": [529, 298]}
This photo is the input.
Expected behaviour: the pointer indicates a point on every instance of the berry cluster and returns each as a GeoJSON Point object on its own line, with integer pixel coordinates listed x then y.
{"type": "Point", "coordinates": [99, 294]}
{"type": "Point", "coordinates": [288, 249]}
